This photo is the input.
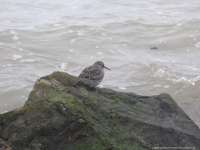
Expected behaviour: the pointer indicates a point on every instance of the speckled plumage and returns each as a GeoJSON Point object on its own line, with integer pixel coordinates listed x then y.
{"type": "Point", "coordinates": [94, 73]}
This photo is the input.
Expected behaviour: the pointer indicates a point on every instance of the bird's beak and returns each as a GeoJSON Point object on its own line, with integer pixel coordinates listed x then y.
{"type": "Point", "coordinates": [106, 68]}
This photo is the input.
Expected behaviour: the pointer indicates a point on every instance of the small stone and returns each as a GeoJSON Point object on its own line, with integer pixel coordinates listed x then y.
{"type": "Point", "coordinates": [155, 48]}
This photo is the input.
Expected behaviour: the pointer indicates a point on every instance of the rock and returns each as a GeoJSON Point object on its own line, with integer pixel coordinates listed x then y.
{"type": "Point", "coordinates": [155, 48]}
{"type": "Point", "coordinates": [3, 145]}
{"type": "Point", "coordinates": [63, 113]}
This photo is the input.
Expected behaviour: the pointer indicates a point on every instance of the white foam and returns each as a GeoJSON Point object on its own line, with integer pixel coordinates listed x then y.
{"type": "Point", "coordinates": [97, 46]}
{"type": "Point", "coordinates": [183, 80]}
{"type": "Point", "coordinates": [103, 34]}
{"type": "Point", "coordinates": [73, 40]}
{"type": "Point", "coordinates": [1, 43]}
{"type": "Point", "coordinates": [63, 65]}
{"type": "Point", "coordinates": [15, 37]}
{"type": "Point", "coordinates": [17, 56]}
{"type": "Point", "coordinates": [180, 24]}
{"type": "Point", "coordinates": [197, 45]}
{"type": "Point", "coordinates": [27, 60]}
{"type": "Point", "coordinates": [159, 12]}
{"type": "Point", "coordinates": [19, 43]}
{"type": "Point", "coordinates": [31, 27]}
{"type": "Point", "coordinates": [198, 78]}
{"type": "Point", "coordinates": [161, 40]}
{"type": "Point", "coordinates": [70, 31]}
{"type": "Point", "coordinates": [92, 57]}
{"type": "Point", "coordinates": [71, 50]}
{"type": "Point", "coordinates": [112, 51]}
{"type": "Point", "coordinates": [56, 25]}
{"type": "Point", "coordinates": [159, 73]}
{"type": "Point", "coordinates": [166, 86]}
{"type": "Point", "coordinates": [134, 84]}
{"type": "Point", "coordinates": [157, 85]}
{"type": "Point", "coordinates": [79, 33]}
{"type": "Point", "coordinates": [122, 88]}
{"type": "Point", "coordinates": [99, 53]}
{"type": "Point", "coordinates": [12, 32]}
{"type": "Point", "coordinates": [9, 65]}
{"type": "Point", "coordinates": [20, 49]}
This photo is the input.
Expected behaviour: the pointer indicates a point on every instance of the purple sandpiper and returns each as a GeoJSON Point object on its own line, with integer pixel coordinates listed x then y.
{"type": "Point", "coordinates": [94, 73]}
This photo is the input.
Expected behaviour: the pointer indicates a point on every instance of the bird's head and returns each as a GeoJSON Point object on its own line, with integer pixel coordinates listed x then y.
{"type": "Point", "coordinates": [100, 64]}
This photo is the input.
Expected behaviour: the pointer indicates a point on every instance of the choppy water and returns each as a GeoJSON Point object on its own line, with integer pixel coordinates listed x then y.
{"type": "Point", "coordinates": [39, 37]}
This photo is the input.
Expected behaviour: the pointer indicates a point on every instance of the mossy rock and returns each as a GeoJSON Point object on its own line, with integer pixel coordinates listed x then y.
{"type": "Point", "coordinates": [64, 113]}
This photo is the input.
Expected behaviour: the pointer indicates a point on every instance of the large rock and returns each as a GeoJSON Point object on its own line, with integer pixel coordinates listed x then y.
{"type": "Point", "coordinates": [63, 114]}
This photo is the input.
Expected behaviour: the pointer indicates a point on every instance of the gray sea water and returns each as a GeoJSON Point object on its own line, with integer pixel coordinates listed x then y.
{"type": "Point", "coordinates": [43, 36]}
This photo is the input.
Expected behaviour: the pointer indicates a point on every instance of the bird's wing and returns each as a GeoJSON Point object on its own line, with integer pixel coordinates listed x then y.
{"type": "Point", "coordinates": [91, 73]}
{"type": "Point", "coordinates": [84, 73]}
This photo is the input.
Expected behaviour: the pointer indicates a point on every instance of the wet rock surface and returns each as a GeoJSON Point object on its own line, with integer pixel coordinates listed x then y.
{"type": "Point", "coordinates": [3, 145]}
{"type": "Point", "coordinates": [63, 113]}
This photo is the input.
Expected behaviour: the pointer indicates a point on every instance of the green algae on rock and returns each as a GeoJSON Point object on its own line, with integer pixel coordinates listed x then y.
{"type": "Point", "coordinates": [63, 113]}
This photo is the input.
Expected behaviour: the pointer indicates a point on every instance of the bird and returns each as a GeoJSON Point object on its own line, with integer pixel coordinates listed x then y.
{"type": "Point", "coordinates": [94, 73]}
